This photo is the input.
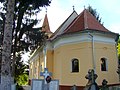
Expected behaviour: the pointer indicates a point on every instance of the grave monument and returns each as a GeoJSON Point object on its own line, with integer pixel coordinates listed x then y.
{"type": "Point", "coordinates": [45, 84]}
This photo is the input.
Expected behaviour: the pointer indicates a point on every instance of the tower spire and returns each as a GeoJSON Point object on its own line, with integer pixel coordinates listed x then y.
{"type": "Point", "coordinates": [45, 26]}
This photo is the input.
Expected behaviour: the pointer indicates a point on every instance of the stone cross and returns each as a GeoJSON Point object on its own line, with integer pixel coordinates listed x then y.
{"type": "Point", "coordinates": [45, 74]}
{"type": "Point", "coordinates": [91, 76]}
{"type": "Point", "coordinates": [118, 71]}
{"type": "Point", "coordinates": [74, 87]}
{"type": "Point", "coordinates": [104, 85]}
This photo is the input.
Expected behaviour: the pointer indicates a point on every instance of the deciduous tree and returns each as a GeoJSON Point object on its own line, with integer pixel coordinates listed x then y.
{"type": "Point", "coordinates": [6, 79]}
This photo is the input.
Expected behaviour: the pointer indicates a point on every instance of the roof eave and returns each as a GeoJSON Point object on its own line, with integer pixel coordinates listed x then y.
{"type": "Point", "coordinates": [89, 31]}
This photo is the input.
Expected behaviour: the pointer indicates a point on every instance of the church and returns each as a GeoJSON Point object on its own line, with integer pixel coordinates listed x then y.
{"type": "Point", "coordinates": [80, 43]}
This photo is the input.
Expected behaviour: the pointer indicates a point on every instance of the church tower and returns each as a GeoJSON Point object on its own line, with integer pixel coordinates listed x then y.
{"type": "Point", "coordinates": [46, 27]}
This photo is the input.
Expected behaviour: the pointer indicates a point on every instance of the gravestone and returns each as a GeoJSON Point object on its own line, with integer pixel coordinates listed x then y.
{"type": "Point", "coordinates": [74, 87]}
{"type": "Point", "coordinates": [53, 84]}
{"type": "Point", "coordinates": [37, 84]}
{"type": "Point", "coordinates": [104, 85]}
{"type": "Point", "coordinates": [93, 87]}
{"type": "Point", "coordinates": [43, 84]}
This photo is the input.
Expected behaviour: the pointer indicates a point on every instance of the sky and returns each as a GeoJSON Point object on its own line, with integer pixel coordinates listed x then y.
{"type": "Point", "coordinates": [59, 10]}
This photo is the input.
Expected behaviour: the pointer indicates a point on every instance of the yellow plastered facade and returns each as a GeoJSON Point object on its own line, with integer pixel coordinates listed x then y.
{"type": "Point", "coordinates": [59, 63]}
{"type": "Point", "coordinates": [82, 51]}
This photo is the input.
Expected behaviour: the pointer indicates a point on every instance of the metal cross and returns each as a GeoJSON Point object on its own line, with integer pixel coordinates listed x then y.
{"type": "Point", "coordinates": [45, 74]}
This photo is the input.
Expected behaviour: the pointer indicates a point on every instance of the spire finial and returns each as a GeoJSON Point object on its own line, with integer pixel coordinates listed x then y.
{"type": "Point", "coordinates": [73, 8]}
{"type": "Point", "coordinates": [84, 6]}
{"type": "Point", "coordinates": [46, 10]}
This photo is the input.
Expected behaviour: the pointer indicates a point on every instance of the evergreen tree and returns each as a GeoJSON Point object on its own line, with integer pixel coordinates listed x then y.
{"type": "Point", "coordinates": [94, 13]}
{"type": "Point", "coordinates": [23, 23]}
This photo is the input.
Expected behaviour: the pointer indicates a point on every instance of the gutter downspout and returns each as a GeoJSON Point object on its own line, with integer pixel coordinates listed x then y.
{"type": "Point", "coordinates": [93, 53]}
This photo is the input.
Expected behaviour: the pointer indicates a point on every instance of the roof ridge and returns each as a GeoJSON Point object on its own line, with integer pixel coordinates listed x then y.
{"type": "Point", "coordinates": [72, 23]}
{"type": "Point", "coordinates": [85, 20]}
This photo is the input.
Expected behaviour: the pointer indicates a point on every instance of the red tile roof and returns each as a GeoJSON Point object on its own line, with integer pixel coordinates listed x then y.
{"type": "Point", "coordinates": [45, 26]}
{"type": "Point", "coordinates": [85, 21]}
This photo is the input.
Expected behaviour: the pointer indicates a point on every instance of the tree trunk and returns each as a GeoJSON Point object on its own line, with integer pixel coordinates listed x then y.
{"type": "Point", "coordinates": [6, 79]}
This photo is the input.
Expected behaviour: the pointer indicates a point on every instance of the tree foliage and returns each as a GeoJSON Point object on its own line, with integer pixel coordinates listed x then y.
{"type": "Point", "coordinates": [94, 13]}
{"type": "Point", "coordinates": [23, 23]}
{"type": "Point", "coordinates": [24, 10]}
{"type": "Point", "coordinates": [118, 49]}
{"type": "Point", "coordinates": [21, 73]}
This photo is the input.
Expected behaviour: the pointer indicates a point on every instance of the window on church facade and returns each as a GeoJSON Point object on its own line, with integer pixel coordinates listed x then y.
{"type": "Point", "coordinates": [75, 65]}
{"type": "Point", "coordinates": [103, 64]}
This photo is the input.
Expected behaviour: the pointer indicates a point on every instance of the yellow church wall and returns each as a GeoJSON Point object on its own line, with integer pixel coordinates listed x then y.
{"type": "Point", "coordinates": [83, 52]}
{"type": "Point", "coordinates": [64, 56]}
{"type": "Point", "coordinates": [41, 64]}
{"type": "Point", "coordinates": [31, 70]}
{"type": "Point", "coordinates": [57, 64]}
{"type": "Point", "coordinates": [34, 70]}
{"type": "Point", "coordinates": [36, 66]}
{"type": "Point", "coordinates": [109, 52]}
{"type": "Point", "coordinates": [50, 60]}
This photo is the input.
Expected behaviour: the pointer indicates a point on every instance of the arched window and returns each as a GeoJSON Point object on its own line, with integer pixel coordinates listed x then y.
{"type": "Point", "coordinates": [75, 65]}
{"type": "Point", "coordinates": [103, 64]}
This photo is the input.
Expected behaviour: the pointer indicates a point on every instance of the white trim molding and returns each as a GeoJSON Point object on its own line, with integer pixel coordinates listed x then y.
{"type": "Point", "coordinates": [82, 37]}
